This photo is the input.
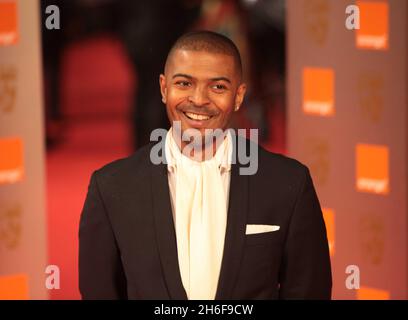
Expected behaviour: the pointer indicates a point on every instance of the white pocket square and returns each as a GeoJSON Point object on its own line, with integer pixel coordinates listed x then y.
{"type": "Point", "coordinates": [260, 228]}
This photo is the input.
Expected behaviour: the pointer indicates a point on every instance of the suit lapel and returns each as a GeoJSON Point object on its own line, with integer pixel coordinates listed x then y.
{"type": "Point", "coordinates": [235, 234]}
{"type": "Point", "coordinates": [165, 232]}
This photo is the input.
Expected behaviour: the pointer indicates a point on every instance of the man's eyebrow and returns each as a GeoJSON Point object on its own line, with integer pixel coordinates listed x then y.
{"type": "Point", "coordinates": [182, 75]}
{"type": "Point", "coordinates": [221, 79]}
{"type": "Point", "coordinates": [190, 77]}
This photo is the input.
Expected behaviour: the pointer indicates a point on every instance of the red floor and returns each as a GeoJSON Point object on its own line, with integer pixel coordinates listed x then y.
{"type": "Point", "coordinates": [91, 86]}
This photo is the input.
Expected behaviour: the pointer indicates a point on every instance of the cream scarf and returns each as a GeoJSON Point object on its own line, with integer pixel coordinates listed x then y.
{"type": "Point", "coordinates": [200, 217]}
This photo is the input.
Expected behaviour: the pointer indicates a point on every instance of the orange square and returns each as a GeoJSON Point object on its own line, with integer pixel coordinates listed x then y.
{"type": "Point", "coordinates": [8, 23]}
{"type": "Point", "coordinates": [372, 172]}
{"type": "Point", "coordinates": [373, 32]}
{"type": "Point", "coordinates": [328, 215]}
{"type": "Point", "coordinates": [14, 287]}
{"type": "Point", "coordinates": [366, 293]}
{"type": "Point", "coordinates": [318, 91]}
{"type": "Point", "coordinates": [11, 160]}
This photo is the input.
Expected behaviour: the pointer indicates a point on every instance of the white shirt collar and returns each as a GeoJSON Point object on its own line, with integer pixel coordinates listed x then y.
{"type": "Point", "coordinates": [223, 155]}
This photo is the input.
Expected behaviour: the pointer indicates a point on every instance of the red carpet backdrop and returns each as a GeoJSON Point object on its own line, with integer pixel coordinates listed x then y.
{"type": "Point", "coordinates": [347, 120]}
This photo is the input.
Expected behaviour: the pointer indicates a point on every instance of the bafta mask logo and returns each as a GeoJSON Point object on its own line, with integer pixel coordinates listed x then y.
{"type": "Point", "coordinates": [370, 93]}
{"type": "Point", "coordinates": [316, 18]}
{"type": "Point", "coordinates": [8, 88]}
{"type": "Point", "coordinates": [10, 226]}
{"type": "Point", "coordinates": [372, 233]}
{"type": "Point", "coordinates": [317, 159]}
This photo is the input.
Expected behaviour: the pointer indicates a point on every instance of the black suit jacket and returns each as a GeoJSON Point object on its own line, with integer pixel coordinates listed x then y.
{"type": "Point", "coordinates": [127, 240]}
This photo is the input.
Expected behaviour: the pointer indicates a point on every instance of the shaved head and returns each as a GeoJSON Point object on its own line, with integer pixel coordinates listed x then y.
{"type": "Point", "coordinates": [207, 41]}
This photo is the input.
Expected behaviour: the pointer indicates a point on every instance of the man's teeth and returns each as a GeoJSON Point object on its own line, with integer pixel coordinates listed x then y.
{"type": "Point", "coordinates": [195, 116]}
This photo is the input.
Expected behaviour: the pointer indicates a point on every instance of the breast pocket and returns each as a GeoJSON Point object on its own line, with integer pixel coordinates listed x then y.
{"type": "Point", "coordinates": [269, 237]}
{"type": "Point", "coordinates": [260, 263]}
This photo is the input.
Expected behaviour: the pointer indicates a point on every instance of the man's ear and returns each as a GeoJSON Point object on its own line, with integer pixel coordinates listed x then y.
{"type": "Point", "coordinates": [163, 87]}
{"type": "Point", "coordinates": [239, 97]}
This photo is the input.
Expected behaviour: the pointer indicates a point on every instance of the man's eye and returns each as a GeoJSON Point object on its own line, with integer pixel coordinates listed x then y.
{"type": "Point", "coordinates": [219, 87]}
{"type": "Point", "coordinates": [183, 83]}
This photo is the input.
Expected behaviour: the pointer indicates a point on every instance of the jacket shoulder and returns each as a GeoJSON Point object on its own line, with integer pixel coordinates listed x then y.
{"type": "Point", "coordinates": [277, 161]}
{"type": "Point", "coordinates": [280, 169]}
{"type": "Point", "coordinates": [136, 163]}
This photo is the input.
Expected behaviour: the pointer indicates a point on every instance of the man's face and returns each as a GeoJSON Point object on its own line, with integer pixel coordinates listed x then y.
{"type": "Point", "coordinates": [201, 89]}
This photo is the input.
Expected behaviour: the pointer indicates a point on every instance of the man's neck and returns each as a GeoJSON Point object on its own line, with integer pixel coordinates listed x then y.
{"type": "Point", "coordinates": [204, 150]}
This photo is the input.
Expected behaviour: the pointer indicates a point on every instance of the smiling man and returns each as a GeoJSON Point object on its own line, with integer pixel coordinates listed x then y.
{"type": "Point", "coordinates": [194, 227]}
{"type": "Point", "coordinates": [202, 84]}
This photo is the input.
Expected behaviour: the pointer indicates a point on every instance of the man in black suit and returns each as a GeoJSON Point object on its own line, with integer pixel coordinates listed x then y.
{"type": "Point", "coordinates": [199, 227]}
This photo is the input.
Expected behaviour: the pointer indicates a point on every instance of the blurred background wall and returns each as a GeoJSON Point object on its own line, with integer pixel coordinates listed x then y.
{"type": "Point", "coordinates": [347, 120]}
{"type": "Point", "coordinates": [23, 232]}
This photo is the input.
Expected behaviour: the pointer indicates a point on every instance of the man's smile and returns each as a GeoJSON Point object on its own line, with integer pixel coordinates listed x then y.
{"type": "Point", "coordinates": [197, 120]}
{"type": "Point", "coordinates": [196, 116]}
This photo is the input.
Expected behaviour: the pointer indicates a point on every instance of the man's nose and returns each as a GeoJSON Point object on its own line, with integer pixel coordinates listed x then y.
{"type": "Point", "coordinates": [199, 97]}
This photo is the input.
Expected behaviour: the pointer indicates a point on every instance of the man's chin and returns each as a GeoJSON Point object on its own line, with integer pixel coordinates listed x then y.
{"type": "Point", "coordinates": [201, 137]}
